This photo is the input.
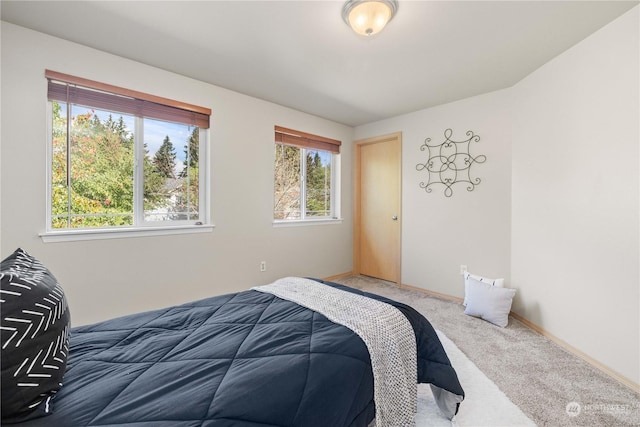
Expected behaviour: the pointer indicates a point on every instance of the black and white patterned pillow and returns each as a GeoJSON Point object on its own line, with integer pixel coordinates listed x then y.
{"type": "Point", "coordinates": [35, 345]}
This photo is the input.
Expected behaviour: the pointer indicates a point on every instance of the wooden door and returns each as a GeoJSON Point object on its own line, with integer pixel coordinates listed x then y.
{"type": "Point", "coordinates": [377, 222]}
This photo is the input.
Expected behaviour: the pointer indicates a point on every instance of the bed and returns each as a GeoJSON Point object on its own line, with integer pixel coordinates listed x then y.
{"type": "Point", "coordinates": [243, 359]}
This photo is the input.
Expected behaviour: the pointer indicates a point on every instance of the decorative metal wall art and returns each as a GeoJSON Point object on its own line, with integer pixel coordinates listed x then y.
{"type": "Point", "coordinates": [450, 163]}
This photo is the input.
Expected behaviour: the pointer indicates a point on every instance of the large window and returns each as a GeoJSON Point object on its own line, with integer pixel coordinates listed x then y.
{"type": "Point", "coordinates": [305, 176]}
{"type": "Point", "coordinates": [123, 159]}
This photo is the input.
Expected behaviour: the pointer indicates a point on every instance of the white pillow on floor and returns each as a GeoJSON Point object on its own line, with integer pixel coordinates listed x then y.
{"type": "Point", "coordinates": [491, 303]}
{"type": "Point", "coordinates": [492, 282]}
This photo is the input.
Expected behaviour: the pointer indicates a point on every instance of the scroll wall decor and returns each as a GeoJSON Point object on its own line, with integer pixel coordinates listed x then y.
{"type": "Point", "coordinates": [449, 163]}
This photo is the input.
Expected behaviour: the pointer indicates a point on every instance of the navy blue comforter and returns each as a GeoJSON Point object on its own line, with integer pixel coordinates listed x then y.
{"type": "Point", "coordinates": [244, 359]}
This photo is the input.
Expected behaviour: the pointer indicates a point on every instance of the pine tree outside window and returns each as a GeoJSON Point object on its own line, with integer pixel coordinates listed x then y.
{"type": "Point", "coordinates": [306, 178]}
{"type": "Point", "coordinates": [121, 159]}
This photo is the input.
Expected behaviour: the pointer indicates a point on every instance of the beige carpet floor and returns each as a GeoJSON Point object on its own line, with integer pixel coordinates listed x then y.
{"type": "Point", "coordinates": [550, 385]}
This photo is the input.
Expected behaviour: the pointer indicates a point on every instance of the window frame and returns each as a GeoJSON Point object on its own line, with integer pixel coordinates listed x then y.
{"type": "Point", "coordinates": [140, 227]}
{"type": "Point", "coordinates": [305, 141]}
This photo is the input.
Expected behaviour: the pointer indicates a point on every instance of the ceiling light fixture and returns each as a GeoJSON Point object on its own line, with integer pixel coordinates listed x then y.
{"type": "Point", "coordinates": [369, 17]}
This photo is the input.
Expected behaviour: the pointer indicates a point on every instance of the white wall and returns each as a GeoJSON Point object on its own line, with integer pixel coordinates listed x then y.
{"type": "Point", "coordinates": [471, 227]}
{"type": "Point", "coordinates": [105, 278]}
{"type": "Point", "coordinates": [557, 212]}
{"type": "Point", "coordinates": [575, 233]}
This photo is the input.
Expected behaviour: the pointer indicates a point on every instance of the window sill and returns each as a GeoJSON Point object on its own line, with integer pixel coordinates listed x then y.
{"type": "Point", "coordinates": [120, 233]}
{"type": "Point", "coordinates": [305, 222]}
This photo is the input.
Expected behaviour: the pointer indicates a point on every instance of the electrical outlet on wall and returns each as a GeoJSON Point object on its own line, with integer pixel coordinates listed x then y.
{"type": "Point", "coordinates": [463, 269]}
{"type": "Point", "coordinates": [263, 266]}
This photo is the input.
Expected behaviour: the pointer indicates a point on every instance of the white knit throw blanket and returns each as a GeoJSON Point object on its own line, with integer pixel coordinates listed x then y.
{"type": "Point", "coordinates": [386, 332]}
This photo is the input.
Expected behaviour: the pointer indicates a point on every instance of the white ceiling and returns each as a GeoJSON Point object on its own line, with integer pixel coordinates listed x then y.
{"type": "Point", "coordinates": [302, 55]}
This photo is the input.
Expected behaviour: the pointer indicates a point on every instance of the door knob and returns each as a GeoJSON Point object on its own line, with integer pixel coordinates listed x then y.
{"type": "Point", "coordinates": [395, 217]}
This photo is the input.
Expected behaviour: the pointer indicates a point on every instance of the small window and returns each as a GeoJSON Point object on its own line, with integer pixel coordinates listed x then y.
{"type": "Point", "coordinates": [122, 159]}
{"type": "Point", "coordinates": [305, 176]}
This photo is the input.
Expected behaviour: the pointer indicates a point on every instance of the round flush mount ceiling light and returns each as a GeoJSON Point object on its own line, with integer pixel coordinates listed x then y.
{"type": "Point", "coordinates": [368, 17]}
